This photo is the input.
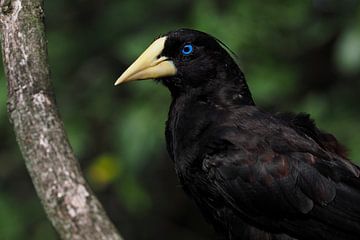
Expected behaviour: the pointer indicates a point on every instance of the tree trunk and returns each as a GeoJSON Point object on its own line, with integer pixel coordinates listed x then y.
{"type": "Point", "coordinates": [68, 201]}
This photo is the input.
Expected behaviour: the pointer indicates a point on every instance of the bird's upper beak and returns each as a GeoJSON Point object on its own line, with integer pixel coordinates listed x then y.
{"type": "Point", "coordinates": [149, 65]}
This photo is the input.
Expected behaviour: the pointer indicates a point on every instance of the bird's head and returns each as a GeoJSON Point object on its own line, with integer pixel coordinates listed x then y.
{"type": "Point", "coordinates": [183, 60]}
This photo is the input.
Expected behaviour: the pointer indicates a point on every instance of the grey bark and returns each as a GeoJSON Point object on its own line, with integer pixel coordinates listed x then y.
{"type": "Point", "coordinates": [68, 201]}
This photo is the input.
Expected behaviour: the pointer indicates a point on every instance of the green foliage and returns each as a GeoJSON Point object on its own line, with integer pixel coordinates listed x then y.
{"type": "Point", "coordinates": [10, 221]}
{"type": "Point", "coordinates": [296, 55]}
{"type": "Point", "coordinates": [2, 100]}
{"type": "Point", "coordinates": [133, 195]}
{"type": "Point", "coordinates": [348, 54]}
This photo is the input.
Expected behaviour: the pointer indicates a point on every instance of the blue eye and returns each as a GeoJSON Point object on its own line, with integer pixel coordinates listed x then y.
{"type": "Point", "coordinates": [187, 49]}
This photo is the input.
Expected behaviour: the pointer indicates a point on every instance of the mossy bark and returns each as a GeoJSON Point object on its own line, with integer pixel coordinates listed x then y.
{"type": "Point", "coordinates": [68, 201]}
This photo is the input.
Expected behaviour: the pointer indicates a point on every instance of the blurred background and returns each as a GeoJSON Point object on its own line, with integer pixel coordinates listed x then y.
{"type": "Point", "coordinates": [297, 55]}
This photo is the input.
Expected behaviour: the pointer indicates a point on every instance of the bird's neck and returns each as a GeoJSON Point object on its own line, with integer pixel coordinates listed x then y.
{"type": "Point", "coordinates": [186, 107]}
{"type": "Point", "coordinates": [223, 90]}
{"type": "Point", "coordinates": [234, 93]}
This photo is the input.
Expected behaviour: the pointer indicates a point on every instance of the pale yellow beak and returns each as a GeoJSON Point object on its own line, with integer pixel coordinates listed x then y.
{"type": "Point", "coordinates": [149, 65]}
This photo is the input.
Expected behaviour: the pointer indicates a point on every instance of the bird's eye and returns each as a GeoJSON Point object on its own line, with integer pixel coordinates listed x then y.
{"type": "Point", "coordinates": [187, 49]}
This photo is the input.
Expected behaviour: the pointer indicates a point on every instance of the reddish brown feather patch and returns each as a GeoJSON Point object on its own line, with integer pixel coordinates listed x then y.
{"type": "Point", "coordinates": [283, 169]}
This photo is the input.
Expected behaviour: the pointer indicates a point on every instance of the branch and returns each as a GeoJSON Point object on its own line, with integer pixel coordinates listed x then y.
{"type": "Point", "coordinates": [68, 201]}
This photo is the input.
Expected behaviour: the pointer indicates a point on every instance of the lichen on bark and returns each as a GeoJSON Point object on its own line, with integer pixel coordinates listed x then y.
{"type": "Point", "coordinates": [68, 201]}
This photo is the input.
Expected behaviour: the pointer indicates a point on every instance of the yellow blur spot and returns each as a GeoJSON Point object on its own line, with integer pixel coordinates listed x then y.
{"type": "Point", "coordinates": [103, 171]}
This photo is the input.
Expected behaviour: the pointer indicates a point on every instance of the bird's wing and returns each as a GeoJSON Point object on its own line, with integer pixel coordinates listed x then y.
{"type": "Point", "coordinates": [305, 126]}
{"type": "Point", "coordinates": [285, 181]}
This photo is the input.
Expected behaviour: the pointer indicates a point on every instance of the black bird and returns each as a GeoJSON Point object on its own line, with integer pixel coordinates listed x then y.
{"type": "Point", "coordinates": [253, 174]}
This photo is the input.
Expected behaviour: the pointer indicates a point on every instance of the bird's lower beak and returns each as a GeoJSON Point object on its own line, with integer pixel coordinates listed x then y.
{"type": "Point", "coordinates": [149, 65]}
